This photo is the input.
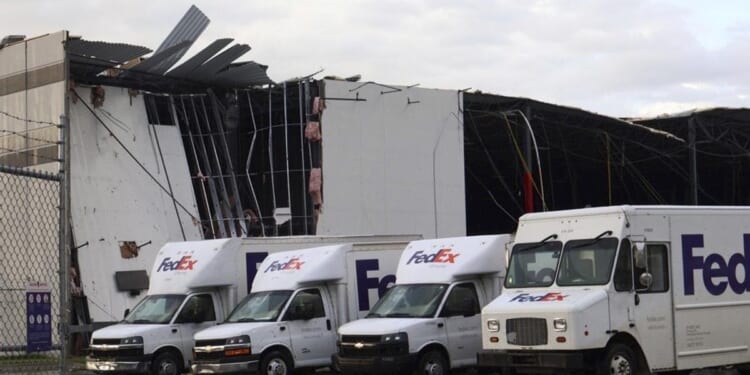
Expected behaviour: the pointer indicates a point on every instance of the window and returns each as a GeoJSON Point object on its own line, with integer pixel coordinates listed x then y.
{"type": "Point", "coordinates": [587, 261]}
{"type": "Point", "coordinates": [307, 304]}
{"type": "Point", "coordinates": [461, 301]}
{"type": "Point", "coordinates": [533, 264]}
{"type": "Point", "coordinates": [198, 309]}
{"type": "Point", "coordinates": [657, 265]}
{"type": "Point", "coordinates": [409, 301]}
{"type": "Point", "coordinates": [155, 309]}
{"type": "Point", "coordinates": [623, 279]}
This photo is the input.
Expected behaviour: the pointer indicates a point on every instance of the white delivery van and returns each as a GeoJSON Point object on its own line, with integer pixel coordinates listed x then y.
{"type": "Point", "coordinates": [298, 300]}
{"type": "Point", "coordinates": [429, 321]}
{"type": "Point", "coordinates": [192, 286]}
{"type": "Point", "coordinates": [209, 277]}
{"type": "Point", "coordinates": [624, 290]}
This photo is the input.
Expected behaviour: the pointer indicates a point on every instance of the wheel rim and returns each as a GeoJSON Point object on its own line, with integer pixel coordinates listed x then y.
{"type": "Point", "coordinates": [619, 365]}
{"type": "Point", "coordinates": [167, 368]}
{"type": "Point", "coordinates": [276, 366]}
{"type": "Point", "coordinates": [433, 367]}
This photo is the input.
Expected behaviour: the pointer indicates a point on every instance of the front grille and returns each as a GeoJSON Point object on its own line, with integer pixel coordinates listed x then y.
{"type": "Point", "coordinates": [212, 356]}
{"type": "Point", "coordinates": [217, 342]}
{"type": "Point", "coordinates": [106, 342]}
{"type": "Point", "coordinates": [360, 338]}
{"type": "Point", "coordinates": [369, 346]}
{"type": "Point", "coordinates": [526, 331]}
{"type": "Point", "coordinates": [119, 354]}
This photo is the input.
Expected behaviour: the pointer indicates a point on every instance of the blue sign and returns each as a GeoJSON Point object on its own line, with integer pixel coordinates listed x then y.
{"type": "Point", "coordinates": [38, 318]}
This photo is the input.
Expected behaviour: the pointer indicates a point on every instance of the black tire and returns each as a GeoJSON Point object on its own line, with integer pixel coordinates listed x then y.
{"type": "Point", "coordinates": [432, 362]}
{"type": "Point", "coordinates": [276, 363]}
{"type": "Point", "coordinates": [619, 360]}
{"type": "Point", "coordinates": [166, 363]}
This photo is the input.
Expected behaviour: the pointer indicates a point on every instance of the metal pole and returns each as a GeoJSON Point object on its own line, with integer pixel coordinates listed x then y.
{"type": "Point", "coordinates": [286, 156]}
{"type": "Point", "coordinates": [528, 177]}
{"type": "Point", "coordinates": [207, 168]}
{"type": "Point", "coordinates": [693, 161]}
{"type": "Point", "coordinates": [64, 233]}
{"type": "Point", "coordinates": [64, 242]}
{"type": "Point", "coordinates": [302, 123]}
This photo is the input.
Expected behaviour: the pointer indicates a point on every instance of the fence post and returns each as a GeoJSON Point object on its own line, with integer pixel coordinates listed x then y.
{"type": "Point", "coordinates": [64, 244]}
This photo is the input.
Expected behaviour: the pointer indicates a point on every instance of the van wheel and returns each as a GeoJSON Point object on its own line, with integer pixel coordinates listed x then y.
{"type": "Point", "coordinates": [432, 363]}
{"type": "Point", "coordinates": [166, 363]}
{"type": "Point", "coordinates": [619, 360]}
{"type": "Point", "coordinates": [276, 363]}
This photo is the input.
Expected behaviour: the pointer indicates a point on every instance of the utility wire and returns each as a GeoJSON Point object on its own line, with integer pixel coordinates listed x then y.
{"type": "Point", "coordinates": [135, 159]}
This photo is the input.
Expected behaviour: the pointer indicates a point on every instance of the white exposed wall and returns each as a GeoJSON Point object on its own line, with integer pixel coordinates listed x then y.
{"type": "Point", "coordinates": [390, 167]}
{"type": "Point", "coordinates": [114, 200]}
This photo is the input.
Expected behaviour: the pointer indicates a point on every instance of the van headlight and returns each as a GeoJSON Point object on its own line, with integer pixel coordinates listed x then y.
{"type": "Point", "coordinates": [560, 325]}
{"type": "Point", "coordinates": [134, 340]}
{"type": "Point", "coordinates": [493, 325]}
{"type": "Point", "coordinates": [395, 338]}
{"type": "Point", "coordinates": [239, 340]}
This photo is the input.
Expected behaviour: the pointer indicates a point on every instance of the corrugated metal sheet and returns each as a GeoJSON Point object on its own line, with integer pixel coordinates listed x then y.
{"type": "Point", "coordinates": [244, 74]}
{"type": "Point", "coordinates": [220, 62]}
{"type": "Point", "coordinates": [190, 27]}
{"type": "Point", "coordinates": [194, 62]}
{"type": "Point", "coordinates": [160, 62]}
{"type": "Point", "coordinates": [117, 53]}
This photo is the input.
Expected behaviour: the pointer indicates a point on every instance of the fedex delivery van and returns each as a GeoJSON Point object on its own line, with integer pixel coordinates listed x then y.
{"type": "Point", "coordinates": [429, 321]}
{"type": "Point", "coordinates": [298, 300]}
{"type": "Point", "coordinates": [195, 284]}
{"type": "Point", "coordinates": [624, 290]}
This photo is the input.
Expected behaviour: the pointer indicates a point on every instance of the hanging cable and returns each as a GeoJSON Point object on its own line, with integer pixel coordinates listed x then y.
{"type": "Point", "coordinates": [135, 159]}
{"type": "Point", "coordinates": [523, 161]}
{"type": "Point", "coordinates": [492, 196]}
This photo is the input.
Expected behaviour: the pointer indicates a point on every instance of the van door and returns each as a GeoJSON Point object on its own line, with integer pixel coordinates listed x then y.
{"type": "Point", "coordinates": [653, 306]}
{"type": "Point", "coordinates": [197, 313]}
{"type": "Point", "coordinates": [461, 314]}
{"type": "Point", "coordinates": [310, 324]}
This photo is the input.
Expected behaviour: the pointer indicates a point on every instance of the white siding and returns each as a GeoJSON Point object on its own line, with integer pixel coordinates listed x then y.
{"type": "Point", "coordinates": [378, 158]}
{"type": "Point", "coordinates": [114, 200]}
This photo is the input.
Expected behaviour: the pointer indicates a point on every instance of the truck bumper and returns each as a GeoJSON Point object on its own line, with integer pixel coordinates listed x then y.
{"type": "Point", "coordinates": [103, 365]}
{"type": "Point", "coordinates": [533, 360]}
{"type": "Point", "coordinates": [386, 365]}
{"type": "Point", "coordinates": [249, 366]}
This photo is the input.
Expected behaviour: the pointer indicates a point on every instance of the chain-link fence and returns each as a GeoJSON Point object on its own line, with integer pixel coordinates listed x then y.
{"type": "Point", "coordinates": [31, 308]}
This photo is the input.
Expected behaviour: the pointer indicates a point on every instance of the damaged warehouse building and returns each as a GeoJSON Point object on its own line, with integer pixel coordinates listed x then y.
{"type": "Point", "coordinates": [169, 149]}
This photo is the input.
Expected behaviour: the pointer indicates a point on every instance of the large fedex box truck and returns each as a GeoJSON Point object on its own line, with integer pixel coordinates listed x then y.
{"type": "Point", "coordinates": [624, 290]}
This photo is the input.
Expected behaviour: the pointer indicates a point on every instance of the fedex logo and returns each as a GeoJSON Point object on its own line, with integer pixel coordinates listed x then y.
{"type": "Point", "coordinates": [364, 269]}
{"type": "Point", "coordinates": [290, 265]}
{"type": "Point", "coordinates": [716, 271]}
{"type": "Point", "coordinates": [185, 263]}
{"type": "Point", "coordinates": [549, 297]}
{"type": "Point", "coordinates": [442, 256]}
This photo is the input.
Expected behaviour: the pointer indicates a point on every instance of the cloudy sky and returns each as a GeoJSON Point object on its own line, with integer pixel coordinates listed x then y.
{"type": "Point", "coordinates": [621, 58]}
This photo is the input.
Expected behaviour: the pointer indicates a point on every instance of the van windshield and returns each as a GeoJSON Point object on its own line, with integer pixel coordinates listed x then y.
{"type": "Point", "coordinates": [533, 264]}
{"type": "Point", "coordinates": [587, 262]}
{"type": "Point", "coordinates": [260, 307]}
{"type": "Point", "coordinates": [409, 301]}
{"type": "Point", "coordinates": [155, 309]}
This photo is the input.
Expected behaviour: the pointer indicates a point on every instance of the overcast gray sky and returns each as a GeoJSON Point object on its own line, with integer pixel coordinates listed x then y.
{"type": "Point", "coordinates": [620, 58]}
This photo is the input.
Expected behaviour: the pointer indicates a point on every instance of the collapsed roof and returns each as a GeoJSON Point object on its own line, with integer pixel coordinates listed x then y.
{"type": "Point", "coordinates": [118, 64]}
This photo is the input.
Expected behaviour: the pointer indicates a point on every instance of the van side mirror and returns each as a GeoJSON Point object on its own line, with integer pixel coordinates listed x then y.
{"type": "Point", "coordinates": [126, 313]}
{"type": "Point", "coordinates": [639, 254]}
